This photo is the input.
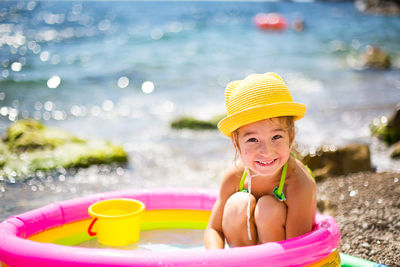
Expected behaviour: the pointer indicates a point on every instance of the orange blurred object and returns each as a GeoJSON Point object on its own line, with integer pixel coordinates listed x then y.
{"type": "Point", "coordinates": [270, 21]}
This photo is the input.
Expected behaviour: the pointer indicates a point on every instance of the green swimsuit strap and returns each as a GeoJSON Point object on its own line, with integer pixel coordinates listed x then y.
{"type": "Point", "coordinates": [278, 191]}
{"type": "Point", "coordinates": [241, 185]}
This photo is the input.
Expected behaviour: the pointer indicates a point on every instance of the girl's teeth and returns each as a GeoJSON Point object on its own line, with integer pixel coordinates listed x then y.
{"type": "Point", "coordinates": [266, 162]}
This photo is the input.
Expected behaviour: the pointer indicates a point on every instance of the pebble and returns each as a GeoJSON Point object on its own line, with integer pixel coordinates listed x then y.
{"type": "Point", "coordinates": [365, 245]}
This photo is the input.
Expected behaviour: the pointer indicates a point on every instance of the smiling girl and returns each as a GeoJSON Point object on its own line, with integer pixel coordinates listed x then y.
{"type": "Point", "coordinates": [270, 195]}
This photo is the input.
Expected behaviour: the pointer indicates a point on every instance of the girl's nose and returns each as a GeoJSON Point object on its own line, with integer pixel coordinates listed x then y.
{"type": "Point", "coordinates": [264, 147]}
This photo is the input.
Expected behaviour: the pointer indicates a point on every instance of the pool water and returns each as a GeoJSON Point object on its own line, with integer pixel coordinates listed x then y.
{"type": "Point", "coordinates": [159, 240]}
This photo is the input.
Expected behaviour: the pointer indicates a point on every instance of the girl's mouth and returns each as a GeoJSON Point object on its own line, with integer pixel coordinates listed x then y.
{"type": "Point", "coordinates": [266, 163]}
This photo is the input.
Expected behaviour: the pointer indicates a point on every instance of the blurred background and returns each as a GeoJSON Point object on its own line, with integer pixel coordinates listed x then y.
{"type": "Point", "coordinates": [123, 71]}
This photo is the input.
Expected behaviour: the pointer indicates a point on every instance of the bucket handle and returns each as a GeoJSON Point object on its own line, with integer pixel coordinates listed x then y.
{"type": "Point", "coordinates": [90, 232]}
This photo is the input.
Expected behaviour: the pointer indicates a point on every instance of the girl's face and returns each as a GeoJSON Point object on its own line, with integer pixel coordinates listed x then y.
{"type": "Point", "coordinates": [264, 146]}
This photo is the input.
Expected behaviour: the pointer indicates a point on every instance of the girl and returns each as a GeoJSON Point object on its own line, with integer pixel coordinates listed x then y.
{"type": "Point", "coordinates": [271, 196]}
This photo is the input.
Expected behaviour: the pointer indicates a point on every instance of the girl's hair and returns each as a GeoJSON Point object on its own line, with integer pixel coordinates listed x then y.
{"type": "Point", "coordinates": [287, 121]}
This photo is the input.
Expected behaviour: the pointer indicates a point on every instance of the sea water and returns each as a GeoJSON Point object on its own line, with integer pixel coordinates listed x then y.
{"type": "Point", "coordinates": [124, 70]}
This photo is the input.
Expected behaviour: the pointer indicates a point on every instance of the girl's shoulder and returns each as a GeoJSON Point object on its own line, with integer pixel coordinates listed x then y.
{"type": "Point", "coordinates": [299, 176]}
{"type": "Point", "coordinates": [232, 176]}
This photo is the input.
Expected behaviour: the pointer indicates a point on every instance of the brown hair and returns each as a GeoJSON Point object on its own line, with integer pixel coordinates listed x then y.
{"type": "Point", "coordinates": [287, 121]}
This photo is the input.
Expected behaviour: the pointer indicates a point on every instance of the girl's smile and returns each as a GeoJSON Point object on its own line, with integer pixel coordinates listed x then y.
{"type": "Point", "coordinates": [266, 163]}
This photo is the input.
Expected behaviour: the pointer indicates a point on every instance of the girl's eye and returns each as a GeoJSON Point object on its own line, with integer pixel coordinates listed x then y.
{"type": "Point", "coordinates": [252, 140]}
{"type": "Point", "coordinates": [276, 137]}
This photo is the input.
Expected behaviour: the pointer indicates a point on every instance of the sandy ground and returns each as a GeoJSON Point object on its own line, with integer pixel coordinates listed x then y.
{"type": "Point", "coordinates": [366, 207]}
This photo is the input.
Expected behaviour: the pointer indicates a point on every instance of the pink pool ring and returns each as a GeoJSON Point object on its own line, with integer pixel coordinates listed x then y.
{"type": "Point", "coordinates": [17, 250]}
{"type": "Point", "coordinates": [270, 21]}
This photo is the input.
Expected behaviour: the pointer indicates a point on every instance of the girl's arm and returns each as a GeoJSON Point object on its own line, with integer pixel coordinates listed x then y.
{"type": "Point", "coordinates": [301, 203]}
{"type": "Point", "coordinates": [213, 236]}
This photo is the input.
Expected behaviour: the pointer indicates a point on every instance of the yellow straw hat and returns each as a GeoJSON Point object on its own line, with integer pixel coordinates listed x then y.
{"type": "Point", "coordinates": [257, 97]}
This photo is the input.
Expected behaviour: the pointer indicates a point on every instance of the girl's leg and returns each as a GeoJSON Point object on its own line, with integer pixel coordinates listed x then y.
{"type": "Point", "coordinates": [234, 220]}
{"type": "Point", "coordinates": [270, 218]}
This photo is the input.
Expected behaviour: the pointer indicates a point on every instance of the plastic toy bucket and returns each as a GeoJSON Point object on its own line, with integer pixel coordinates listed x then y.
{"type": "Point", "coordinates": [117, 221]}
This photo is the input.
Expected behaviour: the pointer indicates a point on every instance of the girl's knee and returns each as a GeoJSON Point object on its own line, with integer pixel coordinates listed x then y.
{"type": "Point", "coordinates": [237, 204]}
{"type": "Point", "coordinates": [235, 220]}
{"type": "Point", "coordinates": [235, 210]}
{"type": "Point", "coordinates": [269, 209]}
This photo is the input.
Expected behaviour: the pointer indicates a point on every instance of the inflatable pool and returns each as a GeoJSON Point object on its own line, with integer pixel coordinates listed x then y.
{"type": "Point", "coordinates": [46, 236]}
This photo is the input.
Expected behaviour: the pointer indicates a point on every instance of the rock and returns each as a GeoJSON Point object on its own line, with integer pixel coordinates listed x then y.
{"type": "Point", "coordinates": [382, 7]}
{"type": "Point", "coordinates": [327, 162]}
{"type": "Point", "coordinates": [374, 58]}
{"type": "Point", "coordinates": [196, 124]}
{"type": "Point", "coordinates": [387, 129]}
{"type": "Point", "coordinates": [29, 135]}
{"type": "Point", "coordinates": [326, 206]}
{"type": "Point", "coordinates": [28, 146]}
{"type": "Point", "coordinates": [396, 151]}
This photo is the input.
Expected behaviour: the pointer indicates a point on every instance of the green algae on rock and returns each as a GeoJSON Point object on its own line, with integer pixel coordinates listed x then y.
{"type": "Point", "coordinates": [396, 151]}
{"type": "Point", "coordinates": [28, 146]}
{"type": "Point", "coordinates": [29, 135]}
{"type": "Point", "coordinates": [387, 129]}
{"type": "Point", "coordinates": [196, 124]}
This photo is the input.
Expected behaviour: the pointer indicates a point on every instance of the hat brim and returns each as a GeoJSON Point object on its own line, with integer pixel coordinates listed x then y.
{"type": "Point", "coordinates": [234, 121]}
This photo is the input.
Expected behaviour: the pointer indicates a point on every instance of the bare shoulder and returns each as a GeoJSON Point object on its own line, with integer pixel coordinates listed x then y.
{"type": "Point", "coordinates": [231, 179]}
{"type": "Point", "coordinates": [300, 180]}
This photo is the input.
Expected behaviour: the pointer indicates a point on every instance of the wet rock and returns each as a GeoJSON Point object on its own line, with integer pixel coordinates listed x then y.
{"type": "Point", "coordinates": [328, 162]}
{"type": "Point", "coordinates": [374, 58]}
{"type": "Point", "coordinates": [396, 151]}
{"type": "Point", "coordinates": [382, 7]}
{"type": "Point", "coordinates": [28, 146]}
{"type": "Point", "coordinates": [387, 129]}
{"type": "Point", "coordinates": [29, 135]}
{"type": "Point", "coordinates": [196, 124]}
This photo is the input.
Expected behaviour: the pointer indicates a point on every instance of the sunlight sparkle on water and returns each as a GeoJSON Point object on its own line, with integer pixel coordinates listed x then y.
{"type": "Point", "coordinates": [54, 81]}
{"type": "Point", "coordinates": [16, 66]}
{"type": "Point", "coordinates": [148, 87]}
{"type": "Point", "coordinates": [44, 56]}
{"type": "Point", "coordinates": [48, 105]}
{"type": "Point", "coordinates": [5, 73]}
{"type": "Point", "coordinates": [156, 34]}
{"type": "Point", "coordinates": [95, 110]}
{"type": "Point", "coordinates": [123, 82]}
{"type": "Point", "coordinates": [78, 111]}
{"type": "Point", "coordinates": [107, 105]}
{"type": "Point", "coordinates": [4, 111]}
{"type": "Point", "coordinates": [55, 59]}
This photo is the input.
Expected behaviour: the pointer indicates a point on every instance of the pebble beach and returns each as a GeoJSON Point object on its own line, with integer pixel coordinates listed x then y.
{"type": "Point", "coordinates": [366, 207]}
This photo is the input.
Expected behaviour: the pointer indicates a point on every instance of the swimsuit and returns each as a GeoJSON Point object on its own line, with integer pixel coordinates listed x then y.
{"type": "Point", "coordinates": [278, 191]}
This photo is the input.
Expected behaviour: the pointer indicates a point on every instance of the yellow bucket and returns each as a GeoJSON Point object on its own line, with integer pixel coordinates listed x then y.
{"type": "Point", "coordinates": [117, 221]}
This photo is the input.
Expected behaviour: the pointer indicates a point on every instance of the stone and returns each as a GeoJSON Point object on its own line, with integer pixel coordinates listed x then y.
{"type": "Point", "coordinates": [374, 58]}
{"type": "Point", "coordinates": [395, 151]}
{"type": "Point", "coordinates": [29, 135]}
{"type": "Point", "coordinates": [28, 146]}
{"type": "Point", "coordinates": [334, 162]}
{"type": "Point", "coordinates": [196, 124]}
{"type": "Point", "coordinates": [387, 129]}
{"type": "Point", "coordinates": [381, 7]}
